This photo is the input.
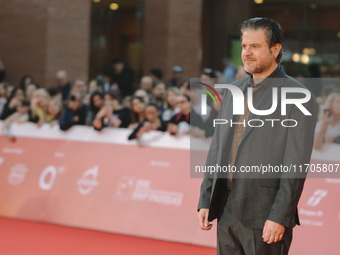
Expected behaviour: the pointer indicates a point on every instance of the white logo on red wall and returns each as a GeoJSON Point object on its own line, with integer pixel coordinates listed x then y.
{"type": "Point", "coordinates": [17, 174]}
{"type": "Point", "coordinates": [48, 177]}
{"type": "Point", "coordinates": [88, 181]}
{"type": "Point", "coordinates": [140, 190]}
{"type": "Point", "coordinates": [317, 196]}
{"type": "Point", "coordinates": [2, 160]}
{"type": "Point", "coordinates": [125, 188]}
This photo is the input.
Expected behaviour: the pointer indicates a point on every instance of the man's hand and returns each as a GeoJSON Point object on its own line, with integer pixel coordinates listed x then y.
{"type": "Point", "coordinates": [102, 113]}
{"type": "Point", "coordinates": [115, 121]}
{"type": "Point", "coordinates": [203, 219]}
{"type": "Point", "coordinates": [14, 103]}
{"type": "Point", "coordinates": [198, 132]}
{"type": "Point", "coordinates": [272, 232]}
{"type": "Point", "coordinates": [76, 118]}
{"type": "Point", "coordinates": [172, 128]}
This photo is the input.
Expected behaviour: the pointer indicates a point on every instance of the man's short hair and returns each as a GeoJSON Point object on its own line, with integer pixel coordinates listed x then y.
{"type": "Point", "coordinates": [157, 72]}
{"type": "Point", "coordinates": [186, 97]}
{"type": "Point", "coordinates": [273, 31]}
{"type": "Point", "coordinates": [112, 94]}
{"type": "Point", "coordinates": [155, 84]}
{"type": "Point", "coordinates": [152, 105]}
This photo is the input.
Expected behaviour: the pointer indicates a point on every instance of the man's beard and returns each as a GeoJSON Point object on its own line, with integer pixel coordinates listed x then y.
{"type": "Point", "coordinates": [159, 98]}
{"type": "Point", "coordinates": [258, 68]}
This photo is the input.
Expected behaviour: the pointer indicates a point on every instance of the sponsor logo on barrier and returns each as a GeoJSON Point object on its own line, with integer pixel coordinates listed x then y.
{"type": "Point", "coordinates": [312, 223]}
{"type": "Point", "coordinates": [310, 213]}
{"type": "Point", "coordinates": [2, 160]}
{"type": "Point", "coordinates": [125, 188]}
{"type": "Point", "coordinates": [48, 177]}
{"type": "Point", "coordinates": [59, 154]}
{"type": "Point", "coordinates": [315, 215]}
{"type": "Point", "coordinates": [332, 180]}
{"type": "Point", "coordinates": [317, 196]}
{"type": "Point", "coordinates": [130, 188]}
{"type": "Point", "coordinates": [88, 181]}
{"type": "Point", "coordinates": [159, 163]}
{"type": "Point", "coordinates": [12, 150]}
{"type": "Point", "coordinates": [17, 174]}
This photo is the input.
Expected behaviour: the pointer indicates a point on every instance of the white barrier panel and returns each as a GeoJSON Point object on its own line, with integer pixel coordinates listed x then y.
{"type": "Point", "coordinates": [102, 181]}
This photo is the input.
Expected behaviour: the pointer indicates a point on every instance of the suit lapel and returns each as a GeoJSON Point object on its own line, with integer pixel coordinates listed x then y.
{"type": "Point", "coordinates": [225, 130]}
{"type": "Point", "coordinates": [264, 103]}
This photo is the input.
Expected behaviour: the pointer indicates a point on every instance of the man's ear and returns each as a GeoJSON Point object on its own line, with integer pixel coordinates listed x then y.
{"type": "Point", "coordinates": [276, 49]}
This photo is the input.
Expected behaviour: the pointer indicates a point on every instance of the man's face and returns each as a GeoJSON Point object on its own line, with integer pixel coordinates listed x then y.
{"type": "Point", "coordinates": [93, 86]}
{"type": "Point", "coordinates": [97, 101]}
{"type": "Point", "coordinates": [257, 58]}
{"type": "Point", "coordinates": [74, 102]}
{"type": "Point", "coordinates": [118, 67]}
{"type": "Point", "coordinates": [61, 78]}
{"type": "Point", "coordinates": [151, 113]}
{"type": "Point", "coordinates": [80, 86]}
{"type": "Point", "coordinates": [21, 109]}
{"type": "Point", "coordinates": [146, 83]}
{"type": "Point", "coordinates": [177, 75]}
{"type": "Point", "coordinates": [159, 91]}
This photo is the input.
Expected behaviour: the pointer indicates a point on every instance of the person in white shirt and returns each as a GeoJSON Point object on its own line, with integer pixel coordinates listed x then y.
{"type": "Point", "coordinates": [329, 126]}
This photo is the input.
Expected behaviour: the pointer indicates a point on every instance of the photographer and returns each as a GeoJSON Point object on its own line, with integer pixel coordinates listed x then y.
{"type": "Point", "coordinates": [112, 114]}
{"type": "Point", "coordinates": [75, 114]}
{"type": "Point", "coordinates": [151, 122]}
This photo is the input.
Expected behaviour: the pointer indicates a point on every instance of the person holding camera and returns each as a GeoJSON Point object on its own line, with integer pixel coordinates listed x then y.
{"type": "Point", "coordinates": [75, 113]}
{"type": "Point", "coordinates": [112, 114]}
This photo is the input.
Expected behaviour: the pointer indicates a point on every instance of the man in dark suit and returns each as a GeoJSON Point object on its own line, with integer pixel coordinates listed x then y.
{"type": "Point", "coordinates": [256, 211]}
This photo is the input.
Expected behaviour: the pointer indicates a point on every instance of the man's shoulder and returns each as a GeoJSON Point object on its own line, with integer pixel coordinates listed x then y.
{"type": "Point", "coordinates": [240, 82]}
{"type": "Point", "coordinates": [291, 82]}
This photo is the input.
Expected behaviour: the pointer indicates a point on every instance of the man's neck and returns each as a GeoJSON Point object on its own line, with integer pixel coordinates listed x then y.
{"type": "Point", "coordinates": [258, 77]}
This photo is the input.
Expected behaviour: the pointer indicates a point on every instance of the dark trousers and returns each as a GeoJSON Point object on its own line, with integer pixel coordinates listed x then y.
{"type": "Point", "coordinates": [233, 238]}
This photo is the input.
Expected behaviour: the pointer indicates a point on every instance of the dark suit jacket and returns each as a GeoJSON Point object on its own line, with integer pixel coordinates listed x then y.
{"type": "Point", "coordinates": [263, 196]}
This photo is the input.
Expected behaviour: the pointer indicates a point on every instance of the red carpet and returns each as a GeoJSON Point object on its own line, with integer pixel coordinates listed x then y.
{"type": "Point", "coordinates": [19, 237]}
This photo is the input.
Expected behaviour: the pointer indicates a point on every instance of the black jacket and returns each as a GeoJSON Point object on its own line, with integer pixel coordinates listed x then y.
{"type": "Point", "coordinates": [257, 197]}
{"type": "Point", "coordinates": [67, 119]}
